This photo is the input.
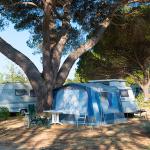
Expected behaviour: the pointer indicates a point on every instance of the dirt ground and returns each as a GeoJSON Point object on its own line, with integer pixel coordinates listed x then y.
{"type": "Point", "coordinates": [126, 136]}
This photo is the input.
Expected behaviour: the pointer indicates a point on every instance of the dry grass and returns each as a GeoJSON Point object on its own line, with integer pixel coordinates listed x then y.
{"type": "Point", "coordinates": [127, 136]}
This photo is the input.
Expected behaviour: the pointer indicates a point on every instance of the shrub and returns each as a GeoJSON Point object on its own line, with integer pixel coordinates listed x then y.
{"type": "Point", "coordinates": [4, 113]}
{"type": "Point", "coordinates": [141, 103]}
{"type": "Point", "coordinates": [140, 99]}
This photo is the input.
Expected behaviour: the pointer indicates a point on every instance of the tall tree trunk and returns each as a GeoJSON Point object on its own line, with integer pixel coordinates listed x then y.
{"type": "Point", "coordinates": [146, 82]}
{"type": "Point", "coordinates": [49, 42]}
{"type": "Point", "coordinates": [146, 92]}
{"type": "Point", "coordinates": [53, 46]}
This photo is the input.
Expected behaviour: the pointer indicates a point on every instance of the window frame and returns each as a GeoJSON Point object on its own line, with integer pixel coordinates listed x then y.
{"type": "Point", "coordinates": [33, 95]}
{"type": "Point", "coordinates": [125, 95]}
{"type": "Point", "coordinates": [23, 94]}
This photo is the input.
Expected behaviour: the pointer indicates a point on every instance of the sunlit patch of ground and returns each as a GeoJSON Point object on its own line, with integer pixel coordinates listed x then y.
{"type": "Point", "coordinates": [127, 136]}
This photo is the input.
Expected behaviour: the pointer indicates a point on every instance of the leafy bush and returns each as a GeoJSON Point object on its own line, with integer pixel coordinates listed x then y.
{"type": "Point", "coordinates": [4, 113]}
{"type": "Point", "coordinates": [141, 103]}
{"type": "Point", "coordinates": [140, 99]}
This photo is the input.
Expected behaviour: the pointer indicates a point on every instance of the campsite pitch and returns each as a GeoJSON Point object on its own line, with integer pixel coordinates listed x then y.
{"type": "Point", "coordinates": [130, 135]}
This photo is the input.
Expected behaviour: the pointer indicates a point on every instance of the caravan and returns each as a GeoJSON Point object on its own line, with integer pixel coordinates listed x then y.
{"type": "Point", "coordinates": [16, 96]}
{"type": "Point", "coordinates": [126, 94]}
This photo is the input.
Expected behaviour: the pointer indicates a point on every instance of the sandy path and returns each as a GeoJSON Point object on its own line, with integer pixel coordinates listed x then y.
{"type": "Point", "coordinates": [13, 135]}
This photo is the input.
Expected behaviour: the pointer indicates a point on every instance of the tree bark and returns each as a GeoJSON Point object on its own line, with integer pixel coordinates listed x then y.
{"type": "Point", "coordinates": [20, 59]}
{"type": "Point", "coordinates": [49, 42]}
{"type": "Point", "coordinates": [27, 66]}
{"type": "Point", "coordinates": [146, 92]}
{"type": "Point", "coordinates": [70, 60]}
{"type": "Point", "coordinates": [53, 46]}
{"type": "Point", "coordinates": [57, 53]}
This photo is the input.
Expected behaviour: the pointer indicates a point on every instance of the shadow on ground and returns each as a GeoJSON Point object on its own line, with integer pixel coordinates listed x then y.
{"type": "Point", "coordinates": [122, 136]}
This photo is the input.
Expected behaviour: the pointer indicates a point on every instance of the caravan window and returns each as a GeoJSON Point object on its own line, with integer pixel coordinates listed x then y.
{"type": "Point", "coordinates": [21, 92]}
{"type": "Point", "coordinates": [32, 93]}
{"type": "Point", "coordinates": [124, 93]}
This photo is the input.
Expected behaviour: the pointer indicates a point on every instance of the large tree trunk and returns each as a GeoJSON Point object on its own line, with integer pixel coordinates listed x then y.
{"type": "Point", "coordinates": [52, 51]}
{"type": "Point", "coordinates": [146, 92]}
{"type": "Point", "coordinates": [49, 42]}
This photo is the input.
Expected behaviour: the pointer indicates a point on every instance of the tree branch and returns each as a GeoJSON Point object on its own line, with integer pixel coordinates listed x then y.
{"type": "Point", "coordinates": [25, 63]}
{"type": "Point", "coordinates": [70, 60]}
{"type": "Point", "coordinates": [57, 53]}
{"type": "Point", "coordinates": [138, 61]}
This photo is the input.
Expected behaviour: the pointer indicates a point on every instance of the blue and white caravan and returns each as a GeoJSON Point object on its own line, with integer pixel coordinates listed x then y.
{"type": "Point", "coordinates": [127, 97]}
{"type": "Point", "coordinates": [17, 96]}
{"type": "Point", "coordinates": [93, 99]}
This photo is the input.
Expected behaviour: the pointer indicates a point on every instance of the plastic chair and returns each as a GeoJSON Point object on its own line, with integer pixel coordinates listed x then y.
{"type": "Point", "coordinates": [80, 119]}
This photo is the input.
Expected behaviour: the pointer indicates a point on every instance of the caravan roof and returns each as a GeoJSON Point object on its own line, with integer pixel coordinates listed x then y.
{"type": "Point", "coordinates": [109, 80]}
{"type": "Point", "coordinates": [98, 87]}
{"type": "Point", "coordinates": [119, 83]}
{"type": "Point", "coordinates": [14, 85]}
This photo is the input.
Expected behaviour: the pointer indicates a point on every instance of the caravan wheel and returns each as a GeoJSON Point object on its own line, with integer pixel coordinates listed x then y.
{"type": "Point", "coordinates": [23, 112]}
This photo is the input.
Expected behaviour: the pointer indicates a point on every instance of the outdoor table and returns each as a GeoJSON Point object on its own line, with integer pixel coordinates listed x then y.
{"type": "Point", "coordinates": [55, 116]}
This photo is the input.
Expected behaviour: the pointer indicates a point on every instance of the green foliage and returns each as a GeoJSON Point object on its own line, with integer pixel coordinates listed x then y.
{"type": "Point", "coordinates": [4, 113]}
{"type": "Point", "coordinates": [15, 75]}
{"type": "Point", "coordinates": [140, 100]}
{"type": "Point", "coordinates": [130, 80]}
{"type": "Point", "coordinates": [76, 79]}
{"type": "Point", "coordinates": [126, 9]}
{"type": "Point", "coordinates": [76, 16]}
{"type": "Point", "coordinates": [138, 74]}
{"type": "Point", "coordinates": [124, 48]}
{"type": "Point", "coordinates": [141, 103]}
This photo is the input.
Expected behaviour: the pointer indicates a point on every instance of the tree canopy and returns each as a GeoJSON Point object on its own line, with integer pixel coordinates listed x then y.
{"type": "Point", "coordinates": [60, 26]}
{"type": "Point", "coordinates": [124, 51]}
{"type": "Point", "coordinates": [71, 16]}
{"type": "Point", "coordinates": [124, 48]}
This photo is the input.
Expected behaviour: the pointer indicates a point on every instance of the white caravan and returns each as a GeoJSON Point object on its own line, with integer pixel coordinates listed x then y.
{"type": "Point", "coordinates": [126, 94]}
{"type": "Point", "coordinates": [16, 96]}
